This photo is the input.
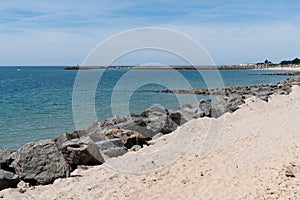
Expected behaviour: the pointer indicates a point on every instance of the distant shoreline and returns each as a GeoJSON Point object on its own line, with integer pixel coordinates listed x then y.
{"type": "Point", "coordinates": [182, 67]}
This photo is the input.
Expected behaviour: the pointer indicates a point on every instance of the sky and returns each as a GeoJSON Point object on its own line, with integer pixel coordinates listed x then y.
{"type": "Point", "coordinates": [63, 32]}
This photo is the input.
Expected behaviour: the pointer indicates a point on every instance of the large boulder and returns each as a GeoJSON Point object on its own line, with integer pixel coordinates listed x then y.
{"type": "Point", "coordinates": [112, 147]}
{"type": "Point", "coordinates": [233, 102]}
{"type": "Point", "coordinates": [110, 122]}
{"type": "Point", "coordinates": [110, 143]}
{"type": "Point", "coordinates": [150, 122]}
{"type": "Point", "coordinates": [114, 152]}
{"type": "Point", "coordinates": [64, 137]}
{"type": "Point", "coordinates": [40, 163]}
{"type": "Point", "coordinates": [8, 179]}
{"type": "Point", "coordinates": [119, 138]}
{"type": "Point", "coordinates": [218, 107]}
{"type": "Point", "coordinates": [116, 142]}
{"type": "Point", "coordinates": [81, 151]}
{"type": "Point", "coordinates": [192, 111]}
{"type": "Point", "coordinates": [222, 104]}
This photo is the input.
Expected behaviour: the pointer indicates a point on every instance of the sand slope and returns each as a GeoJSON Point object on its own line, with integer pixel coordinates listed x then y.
{"type": "Point", "coordinates": [254, 158]}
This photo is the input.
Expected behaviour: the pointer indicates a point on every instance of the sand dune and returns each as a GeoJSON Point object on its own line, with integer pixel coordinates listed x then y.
{"type": "Point", "coordinates": [256, 156]}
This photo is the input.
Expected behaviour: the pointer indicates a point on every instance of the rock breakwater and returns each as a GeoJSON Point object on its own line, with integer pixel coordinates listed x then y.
{"type": "Point", "coordinates": [44, 161]}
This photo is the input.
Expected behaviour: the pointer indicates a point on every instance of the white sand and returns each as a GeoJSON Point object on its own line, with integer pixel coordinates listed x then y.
{"type": "Point", "coordinates": [258, 146]}
{"type": "Point", "coordinates": [284, 68]}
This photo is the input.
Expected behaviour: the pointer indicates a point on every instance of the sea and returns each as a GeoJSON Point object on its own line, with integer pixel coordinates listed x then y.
{"type": "Point", "coordinates": [37, 102]}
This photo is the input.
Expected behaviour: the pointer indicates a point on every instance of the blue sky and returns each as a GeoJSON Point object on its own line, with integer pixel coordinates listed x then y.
{"type": "Point", "coordinates": [63, 32]}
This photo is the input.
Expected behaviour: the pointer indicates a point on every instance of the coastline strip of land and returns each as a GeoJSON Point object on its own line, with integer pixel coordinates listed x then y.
{"type": "Point", "coordinates": [186, 67]}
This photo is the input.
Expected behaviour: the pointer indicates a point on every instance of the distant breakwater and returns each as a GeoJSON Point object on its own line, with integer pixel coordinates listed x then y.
{"type": "Point", "coordinates": [287, 73]}
{"type": "Point", "coordinates": [262, 91]}
{"type": "Point", "coordinates": [172, 67]}
{"type": "Point", "coordinates": [181, 67]}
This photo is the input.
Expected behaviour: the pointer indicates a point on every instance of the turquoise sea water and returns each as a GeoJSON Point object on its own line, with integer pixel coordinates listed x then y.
{"type": "Point", "coordinates": [36, 102]}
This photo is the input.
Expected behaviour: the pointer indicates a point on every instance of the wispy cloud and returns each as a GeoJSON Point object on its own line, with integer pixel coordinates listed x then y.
{"type": "Point", "coordinates": [65, 30]}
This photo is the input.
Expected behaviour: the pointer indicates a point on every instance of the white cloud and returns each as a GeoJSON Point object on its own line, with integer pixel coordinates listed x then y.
{"type": "Point", "coordinates": [62, 32]}
{"type": "Point", "coordinates": [234, 44]}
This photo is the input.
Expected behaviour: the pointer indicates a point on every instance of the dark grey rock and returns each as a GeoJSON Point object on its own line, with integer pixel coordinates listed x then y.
{"type": "Point", "coordinates": [81, 151]}
{"type": "Point", "coordinates": [184, 114]}
{"type": "Point", "coordinates": [150, 126]}
{"type": "Point", "coordinates": [110, 122]}
{"type": "Point", "coordinates": [108, 144]}
{"type": "Point", "coordinates": [204, 106]}
{"type": "Point", "coordinates": [176, 117]}
{"type": "Point", "coordinates": [169, 126]}
{"type": "Point", "coordinates": [154, 111]}
{"type": "Point", "coordinates": [233, 102]}
{"type": "Point", "coordinates": [264, 97]}
{"type": "Point", "coordinates": [8, 180]}
{"type": "Point", "coordinates": [112, 147]}
{"type": "Point", "coordinates": [218, 107]}
{"type": "Point", "coordinates": [114, 152]}
{"type": "Point", "coordinates": [40, 163]}
{"type": "Point", "coordinates": [64, 137]}
{"type": "Point", "coordinates": [150, 122]}
{"type": "Point", "coordinates": [128, 137]}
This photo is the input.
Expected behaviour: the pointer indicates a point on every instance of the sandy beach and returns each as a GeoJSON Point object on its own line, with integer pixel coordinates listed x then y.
{"type": "Point", "coordinates": [284, 68]}
{"type": "Point", "coordinates": [256, 157]}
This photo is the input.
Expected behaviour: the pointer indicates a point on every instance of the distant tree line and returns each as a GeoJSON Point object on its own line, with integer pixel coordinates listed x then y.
{"type": "Point", "coordinates": [267, 62]}
{"type": "Point", "coordinates": [296, 61]}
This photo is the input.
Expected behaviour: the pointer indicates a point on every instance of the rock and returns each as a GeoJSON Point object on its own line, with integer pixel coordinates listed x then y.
{"type": "Point", "coordinates": [110, 122]}
{"type": "Point", "coordinates": [128, 137]}
{"type": "Point", "coordinates": [264, 97]}
{"type": "Point", "coordinates": [8, 179]}
{"type": "Point", "coordinates": [23, 184]}
{"type": "Point", "coordinates": [222, 104]}
{"type": "Point", "coordinates": [135, 148]}
{"type": "Point", "coordinates": [112, 148]}
{"type": "Point", "coordinates": [107, 144]}
{"type": "Point", "coordinates": [63, 137]}
{"type": "Point", "coordinates": [81, 151]}
{"type": "Point", "coordinates": [4, 159]}
{"type": "Point", "coordinates": [204, 106]}
{"type": "Point", "coordinates": [4, 154]}
{"type": "Point", "coordinates": [183, 115]}
{"type": "Point", "coordinates": [40, 163]}
{"type": "Point", "coordinates": [158, 135]}
{"type": "Point", "coordinates": [218, 107]}
{"type": "Point", "coordinates": [233, 102]}
{"type": "Point", "coordinates": [290, 171]}
{"type": "Point", "coordinates": [150, 126]}
{"type": "Point", "coordinates": [114, 152]}
{"type": "Point", "coordinates": [169, 126]}
{"type": "Point", "coordinates": [176, 117]}
{"type": "Point", "coordinates": [264, 94]}
{"type": "Point", "coordinates": [154, 111]}
{"type": "Point", "coordinates": [157, 120]}
{"type": "Point", "coordinates": [150, 122]}
{"type": "Point", "coordinates": [186, 113]}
